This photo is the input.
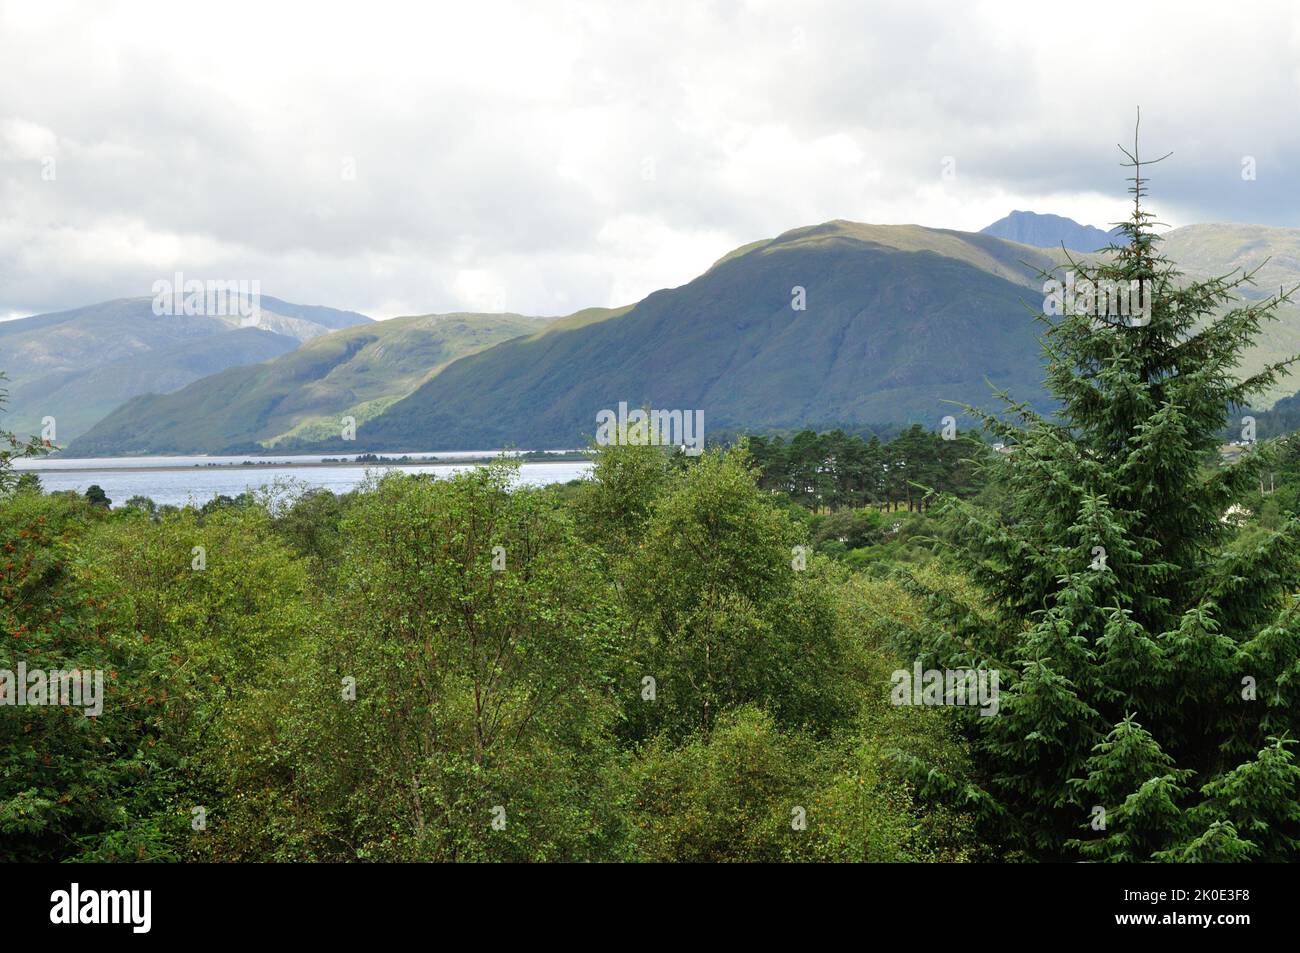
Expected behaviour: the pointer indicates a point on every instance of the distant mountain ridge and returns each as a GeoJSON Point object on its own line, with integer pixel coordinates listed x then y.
{"type": "Point", "coordinates": [897, 319]}
{"type": "Point", "coordinates": [78, 365]}
{"type": "Point", "coordinates": [838, 324]}
{"type": "Point", "coordinates": [903, 323]}
{"type": "Point", "coordinates": [300, 397]}
{"type": "Point", "coordinates": [1049, 231]}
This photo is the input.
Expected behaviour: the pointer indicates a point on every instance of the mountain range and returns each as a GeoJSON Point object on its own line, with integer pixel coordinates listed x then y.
{"type": "Point", "coordinates": [300, 397]}
{"type": "Point", "coordinates": [838, 324]}
{"type": "Point", "coordinates": [79, 365]}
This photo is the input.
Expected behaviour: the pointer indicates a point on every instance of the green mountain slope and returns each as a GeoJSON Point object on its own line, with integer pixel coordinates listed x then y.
{"type": "Point", "coordinates": [81, 400]}
{"type": "Point", "coordinates": [300, 396]}
{"type": "Point", "coordinates": [1205, 250]}
{"type": "Point", "coordinates": [1202, 251]}
{"type": "Point", "coordinates": [898, 319]}
{"type": "Point", "coordinates": [79, 365]}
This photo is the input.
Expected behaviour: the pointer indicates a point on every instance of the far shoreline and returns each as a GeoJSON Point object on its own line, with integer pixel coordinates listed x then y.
{"type": "Point", "coordinates": [354, 462]}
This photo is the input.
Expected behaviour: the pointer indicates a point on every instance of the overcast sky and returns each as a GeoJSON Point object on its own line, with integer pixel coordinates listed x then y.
{"type": "Point", "coordinates": [541, 157]}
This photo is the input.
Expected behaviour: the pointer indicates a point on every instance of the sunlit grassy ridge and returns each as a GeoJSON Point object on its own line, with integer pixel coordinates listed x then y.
{"type": "Point", "coordinates": [357, 371]}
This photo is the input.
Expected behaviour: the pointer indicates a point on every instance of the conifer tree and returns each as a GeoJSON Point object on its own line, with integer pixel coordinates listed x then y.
{"type": "Point", "coordinates": [1149, 657]}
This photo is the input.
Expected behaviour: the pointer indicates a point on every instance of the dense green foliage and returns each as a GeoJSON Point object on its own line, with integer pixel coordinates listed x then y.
{"type": "Point", "coordinates": [638, 672]}
{"type": "Point", "coordinates": [1147, 649]}
{"type": "Point", "coordinates": [835, 470]}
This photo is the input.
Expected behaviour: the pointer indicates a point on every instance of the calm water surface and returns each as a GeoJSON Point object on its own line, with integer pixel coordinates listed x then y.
{"type": "Point", "coordinates": [181, 480]}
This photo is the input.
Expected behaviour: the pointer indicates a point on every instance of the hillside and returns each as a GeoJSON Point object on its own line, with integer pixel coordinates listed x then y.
{"type": "Point", "coordinates": [302, 395]}
{"type": "Point", "coordinates": [899, 319]}
{"type": "Point", "coordinates": [79, 365]}
{"type": "Point", "coordinates": [1202, 251]}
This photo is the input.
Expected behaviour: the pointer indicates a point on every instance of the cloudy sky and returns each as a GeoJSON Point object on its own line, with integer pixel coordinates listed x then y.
{"type": "Point", "coordinates": [545, 156]}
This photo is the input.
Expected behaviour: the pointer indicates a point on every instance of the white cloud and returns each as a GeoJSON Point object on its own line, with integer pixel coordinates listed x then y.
{"type": "Point", "coordinates": [554, 156]}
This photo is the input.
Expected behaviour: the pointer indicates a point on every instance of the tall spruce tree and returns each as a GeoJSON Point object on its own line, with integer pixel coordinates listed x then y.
{"type": "Point", "coordinates": [1149, 654]}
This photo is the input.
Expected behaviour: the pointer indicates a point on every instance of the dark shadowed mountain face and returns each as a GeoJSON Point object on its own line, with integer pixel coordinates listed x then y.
{"type": "Point", "coordinates": [76, 366]}
{"type": "Point", "coordinates": [1049, 231]}
{"type": "Point", "coordinates": [898, 320]}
